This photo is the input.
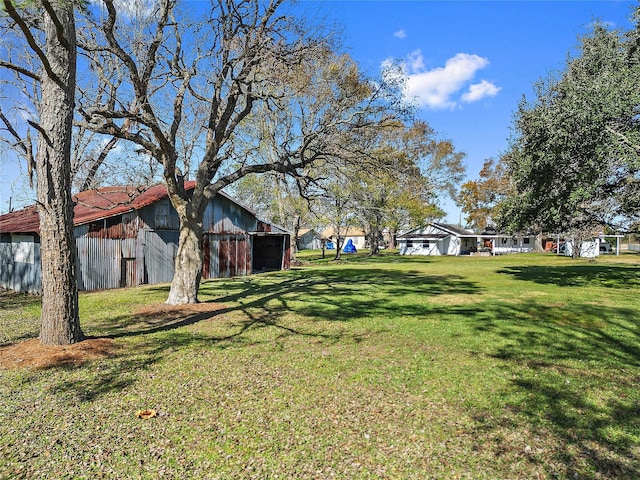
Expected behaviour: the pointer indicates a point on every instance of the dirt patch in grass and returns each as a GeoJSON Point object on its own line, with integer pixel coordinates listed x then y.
{"type": "Point", "coordinates": [32, 354]}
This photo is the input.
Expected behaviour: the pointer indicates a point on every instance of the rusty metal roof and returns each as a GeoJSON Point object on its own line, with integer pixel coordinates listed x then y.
{"type": "Point", "coordinates": [91, 205]}
{"type": "Point", "coordinates": [20, 221]}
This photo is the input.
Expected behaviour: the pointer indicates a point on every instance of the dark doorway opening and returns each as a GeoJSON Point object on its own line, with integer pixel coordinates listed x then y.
{"type": "Point", "coordinates": [267, 253]}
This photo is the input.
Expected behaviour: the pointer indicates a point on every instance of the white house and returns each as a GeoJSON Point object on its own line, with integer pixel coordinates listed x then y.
{"type": "Point", "coordinates": [443, 239]}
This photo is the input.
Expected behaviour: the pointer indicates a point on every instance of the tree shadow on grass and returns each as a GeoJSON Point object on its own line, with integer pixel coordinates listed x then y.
{"type": "Point", "coordinates": [607, 276]}
{"type": "Point", "coordinates": [321, 302]}
{"type": "Point", "coordinates": [336, 296]}
{"type": "Point", "coordinates": [578, 366]}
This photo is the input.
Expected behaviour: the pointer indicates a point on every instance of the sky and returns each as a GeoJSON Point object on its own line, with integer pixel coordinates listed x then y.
{"type": "Point", "coordinates": [468, 63]}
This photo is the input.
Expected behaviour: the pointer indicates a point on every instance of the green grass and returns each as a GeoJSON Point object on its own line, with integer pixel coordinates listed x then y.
{"type": "Point", "coordinates": [514, 367]}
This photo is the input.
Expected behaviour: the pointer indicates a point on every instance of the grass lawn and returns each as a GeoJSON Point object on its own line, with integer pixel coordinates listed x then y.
{"type": "Point", "coordinates": [513, 367]}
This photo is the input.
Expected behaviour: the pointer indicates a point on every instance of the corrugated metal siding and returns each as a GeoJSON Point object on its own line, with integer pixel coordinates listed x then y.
{"type": "Point", "coordinates": [160, 247]}
{"type": "Point", "coordinates": [99, 263]}
{"type": "Point", "coordinates": [159, 216]}
{"type": "Point", "coordinates": [19, 276]}
{"type": "Point", "coordinates": [225, 217]}
{"type": "Point", "coordinates": [122, 250]}
{"type": "Point", "coordinates": [128, 278]}
{"type": "Point", "coordinates": [119, 226]}
{"type": "Point", "coordinates": [228, 255]}
{"type": "Point", "coordinates": [128, 246]}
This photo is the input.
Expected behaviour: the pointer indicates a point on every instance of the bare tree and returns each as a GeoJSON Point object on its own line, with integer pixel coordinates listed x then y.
{"type": "Point", "coordinates": [47, 30]}
{"type": "Point", "coordinates": [187, 95]}
{"type": "Point", "coordinates": [321, 110]}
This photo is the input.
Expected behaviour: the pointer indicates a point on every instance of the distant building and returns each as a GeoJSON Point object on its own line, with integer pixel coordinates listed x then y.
{"type": "Point", "coordinates": [444, 239]}
{"type": "Point", "coordinates": [309, 239]}
{"type": "Point", "coordinates": [357, 235]}
{"type": "Point", "coordinates": [125, 237]}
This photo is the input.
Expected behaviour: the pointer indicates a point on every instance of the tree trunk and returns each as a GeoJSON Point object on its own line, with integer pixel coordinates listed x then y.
{"type": "Point", "coordinates": [60, 323]}
{"type": "Point", "coordinates": [392, 238]}
{"type": "Point", "coordinates": [375, 232]}
{"type": "Point", "coordinates": [294, 241]}
{"type": "Point", "coordinates": [374, 238]}
{"type": "Point", "coordinates": [538, 247]}
{"type": "Point", "coordinates": [188, 263]}
{"type": "Point", "coordinates": [577, 246]}
{"type": "Point", "coordinates": [338, 248]}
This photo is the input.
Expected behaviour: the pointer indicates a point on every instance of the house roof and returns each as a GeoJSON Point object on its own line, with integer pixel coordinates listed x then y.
{"type": "Point", "coordinates": [461, 232]}
{"type": "Point", "coordinates": [423, 236]}
{"type": "Point", "coordinates": [443, 227]}
{"type": "Point", "coordinates": [452, 230]}
{"type": "Point", "coordinates": [91, 205]}
{"type": "Point", "coordinates": [308, 231]}
{"type": "Point", "coordinates": [106, 202]}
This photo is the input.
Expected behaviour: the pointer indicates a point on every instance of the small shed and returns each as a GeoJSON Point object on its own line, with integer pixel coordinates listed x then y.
{"type": "Point", "coordinates": [128, 236]}
{"type": "Point", "coordinates": [309, 239]}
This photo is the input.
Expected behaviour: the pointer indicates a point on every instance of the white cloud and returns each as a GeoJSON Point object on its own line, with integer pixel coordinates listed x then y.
{"type": "Point", "coordinates": [400, 34]}
{"type": "Point", "coordinates": [478, 91]}
{"type": "Point", "coordinates": [440, 87]}
{"type": "Point", "coordinates": [134, 9]}
{"type": "Point", "coordinates": [416, 61]}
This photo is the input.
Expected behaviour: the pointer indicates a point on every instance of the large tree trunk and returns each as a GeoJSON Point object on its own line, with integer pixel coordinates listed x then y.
{"type": "Point", "coordinates": [538, 246]}
{"type": "Point", "coordinates": [60, 323]}
{"type": "Point", "coordinates": [188, 263]}
{"type": "Point", "coordinates": [577, 246]}
{"type": "Point", "coordinates": [375, 232]}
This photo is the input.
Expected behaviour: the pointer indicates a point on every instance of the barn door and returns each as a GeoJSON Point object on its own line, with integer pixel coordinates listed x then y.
{"type": "Point", "coordinates": [128, 273]}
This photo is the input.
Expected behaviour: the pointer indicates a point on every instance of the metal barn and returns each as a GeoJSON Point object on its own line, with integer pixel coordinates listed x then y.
{"type": "Point", "coordinates": [126, 236]}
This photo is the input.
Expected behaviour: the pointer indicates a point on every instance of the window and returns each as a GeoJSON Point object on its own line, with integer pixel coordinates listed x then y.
{"type": "Point", "coordinates": [504, 241]}
{"type": "Point", "coordinates": [409, 243]}
{"type": "Point", "coordinates": [525, 240]}
{"type": "Point", "coordinates": [425, 244]}
{"type": "Point", "coordinates": [162, 215]}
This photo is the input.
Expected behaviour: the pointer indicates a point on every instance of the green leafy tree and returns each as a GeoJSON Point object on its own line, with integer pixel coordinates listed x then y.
{"type": "Point", "coordinates": [480, 199]}
{"type": "Point", "coordinates": [279, 199]}
{"type": "Point", "coordinates": [325, 112]}
{"type": "Point", "coordinates": [403, 170]}
{"type": "Point", "coordinates": [190, 101]}
{"type": "Point", "coordinates": [574, 160]}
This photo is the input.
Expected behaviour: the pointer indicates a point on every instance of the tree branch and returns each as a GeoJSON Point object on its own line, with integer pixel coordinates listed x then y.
{"type": "Point", "coordinates": [8, 5]}
{"type": "Point", "coordinates": [20, 70]}
{"type": "Point", "coordinates": [56, 21]}
{"type": "Point", "coordinates": [623, 137]}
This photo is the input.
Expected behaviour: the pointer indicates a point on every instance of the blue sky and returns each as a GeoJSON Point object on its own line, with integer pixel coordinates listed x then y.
{"type": "Point", "coordinates": [468, 62]}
